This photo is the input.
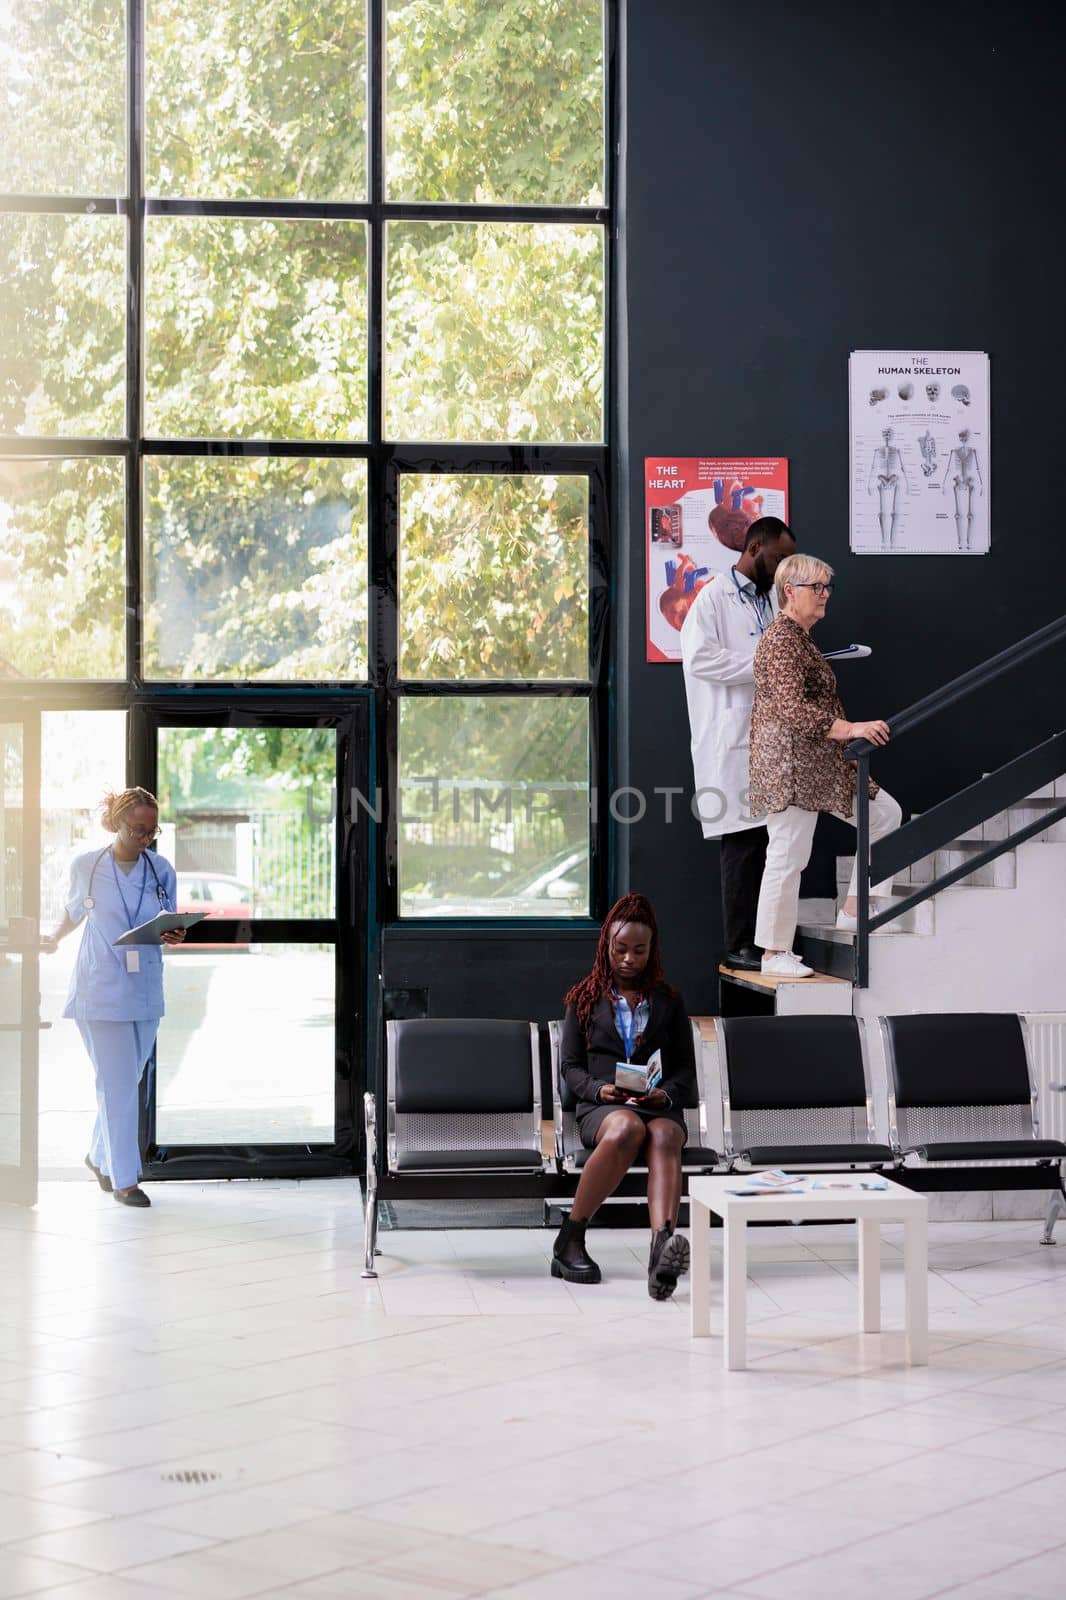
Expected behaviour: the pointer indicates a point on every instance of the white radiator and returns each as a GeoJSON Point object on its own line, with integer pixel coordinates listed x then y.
{"type": "Point", "coordinates": [1047, 1058]}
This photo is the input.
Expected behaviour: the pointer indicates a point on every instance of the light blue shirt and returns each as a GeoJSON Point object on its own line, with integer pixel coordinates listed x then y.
{"type": "Point", "coordinates": [630, 1023]}
{"type": "Point", "coordinates": [102, 989]}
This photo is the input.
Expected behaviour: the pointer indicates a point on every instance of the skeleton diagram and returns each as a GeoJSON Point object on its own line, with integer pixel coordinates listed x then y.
{"type": "Point", "coordinates": [927, 445]}
{"type": "Point", "coordinates": [887, 468]}
{"type": "Point", "coordinates": [964, 470]}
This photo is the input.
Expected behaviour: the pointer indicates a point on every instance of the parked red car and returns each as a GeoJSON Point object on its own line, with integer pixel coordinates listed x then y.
{"type": "Point", "coordinates": [221, 897]}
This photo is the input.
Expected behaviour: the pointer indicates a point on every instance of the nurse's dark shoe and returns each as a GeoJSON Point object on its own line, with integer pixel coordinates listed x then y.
{"type": "Point", "coordinates": [667, 1261]}
{"type": "Point", "coordinates": [101, 1177]}
{"type": "Point", "coordinates": [131, 1197]}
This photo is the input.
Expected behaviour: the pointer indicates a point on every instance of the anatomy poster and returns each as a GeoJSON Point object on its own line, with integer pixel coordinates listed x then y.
{"type": "Point", "coordinates": [697, 510]}
{"type": "Point", "coordinates": [919, 453]}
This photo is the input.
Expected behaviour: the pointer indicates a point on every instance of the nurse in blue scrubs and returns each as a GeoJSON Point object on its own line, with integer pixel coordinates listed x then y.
{"type": "Point", "coordinates": [116, 994]}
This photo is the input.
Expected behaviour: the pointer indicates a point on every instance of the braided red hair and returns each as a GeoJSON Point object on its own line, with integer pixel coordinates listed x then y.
{"type": "Point", "coordinates": [630, 908]}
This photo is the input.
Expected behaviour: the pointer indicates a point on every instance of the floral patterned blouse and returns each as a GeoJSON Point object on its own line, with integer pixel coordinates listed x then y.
{"type": "Point", "coordinates": [793, 761]}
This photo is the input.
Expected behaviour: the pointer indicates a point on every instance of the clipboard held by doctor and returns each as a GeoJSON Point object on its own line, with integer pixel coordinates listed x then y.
{"type": "Point", "coordinates": [166, 922]}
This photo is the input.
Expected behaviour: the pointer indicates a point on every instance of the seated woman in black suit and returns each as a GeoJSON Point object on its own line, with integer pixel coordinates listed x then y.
{"type": "Point", "coordinates": [624, 1010]}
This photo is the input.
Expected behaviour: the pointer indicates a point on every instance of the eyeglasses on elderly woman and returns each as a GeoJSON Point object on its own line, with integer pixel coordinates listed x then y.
{"type": "Point", "coordinates": [819, 588]}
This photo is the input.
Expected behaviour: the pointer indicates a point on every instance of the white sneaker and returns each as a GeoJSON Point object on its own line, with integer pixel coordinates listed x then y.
{"type": "Point", "coordinates": [847, 923]}
{"type": "Point", "coordinates": [786, 964]}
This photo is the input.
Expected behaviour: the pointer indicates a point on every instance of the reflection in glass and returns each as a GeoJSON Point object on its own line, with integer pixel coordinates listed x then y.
{"type": "Point", "coordinates": [10, 1057]}
{"type": "Point", "coordinates": [246, 1051]}
{"type": "Point", "coordinates": [256, 102]}
{"type": "Point", "coordinates": [497, 101]}
{"type": "Point", "coordinates": [11, 813]}
{"type": "Point", "coordinates": [62, 108]}
{"type": "Point", "coordinates": [62, 333]}
{"type": "Point", "coordinates": [493, 577]}
{"type": "Point", "coordinates": [11, 974]}
{"type": "Point", "coordinates": [255, 567]}
{"type": "Point", "coordinates": [256, 328]}
{"type": "Point", "coordinates": [62, 568]}
{"type": "Point", "coordinates": [494, 330]}
{"type": "Point", "coordinates": [494, 807]}
{"type": "Point", "coordinates": [253, 809]}
{"type": "Point", "coordinates": [83, 753]}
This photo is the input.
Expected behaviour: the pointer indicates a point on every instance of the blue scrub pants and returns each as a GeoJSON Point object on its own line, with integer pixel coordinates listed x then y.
{"type": "Point", "coordinates": [119, 1052]}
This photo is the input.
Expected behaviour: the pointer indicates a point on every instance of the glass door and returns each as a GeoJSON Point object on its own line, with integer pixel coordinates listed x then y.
{"type": "Point", "coordinates": [259, 1057]}
{"type": "Point", "coordinates": [19, 953]}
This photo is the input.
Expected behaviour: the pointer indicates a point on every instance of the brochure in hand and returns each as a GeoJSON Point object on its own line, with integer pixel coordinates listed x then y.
{"type": "Point", "coordinates": [152, 932]}
{"type": "Point", "coordinates": [640, 1079]}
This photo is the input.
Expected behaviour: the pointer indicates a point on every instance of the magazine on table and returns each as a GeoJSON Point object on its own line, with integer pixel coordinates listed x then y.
{"type": "Point", "coordinates": [774, 1181]}
{"type": "Point", "coordinates": [871, 1182]}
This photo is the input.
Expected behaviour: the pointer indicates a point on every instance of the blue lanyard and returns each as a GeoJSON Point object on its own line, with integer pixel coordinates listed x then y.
{"type": "Point", "coordinates": [758, 603]}
{"type": "Point", "coordinates": [626, 1022]}
{"type": "Point", "coordinates": [122, 894]}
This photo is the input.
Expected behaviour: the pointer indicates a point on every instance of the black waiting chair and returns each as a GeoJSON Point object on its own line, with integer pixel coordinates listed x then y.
{"type": "Point", "coordinates": [697, 1155]}
{"type": "Point", "coordinates": [462, 1107]}
{"type": "Point", "coordinates": [795, 1093]}
{"type": "Point", "coordinates": [961, 1094]}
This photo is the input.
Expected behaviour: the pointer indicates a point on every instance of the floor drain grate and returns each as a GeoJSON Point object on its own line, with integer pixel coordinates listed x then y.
{"type": "Point", "coordinates": [190, 1475]}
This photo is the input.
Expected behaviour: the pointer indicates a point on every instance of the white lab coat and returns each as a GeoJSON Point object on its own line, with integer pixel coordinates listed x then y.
{"type": "Point", "coordinates": [718, 643]}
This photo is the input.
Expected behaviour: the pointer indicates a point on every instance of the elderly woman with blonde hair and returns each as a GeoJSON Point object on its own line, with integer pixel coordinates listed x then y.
{"type": "Point", "coordinates": [798, 767]}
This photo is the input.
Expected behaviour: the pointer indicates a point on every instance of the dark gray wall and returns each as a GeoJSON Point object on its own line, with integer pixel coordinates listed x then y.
{"type": "Point", "coordinates": [800, 182]}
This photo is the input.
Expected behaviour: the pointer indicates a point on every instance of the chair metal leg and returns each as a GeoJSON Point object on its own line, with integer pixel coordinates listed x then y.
{"type": "Point", "coordinates": [370, 1221]}
{"type": "Point", "coordinates": [1056, 1206]}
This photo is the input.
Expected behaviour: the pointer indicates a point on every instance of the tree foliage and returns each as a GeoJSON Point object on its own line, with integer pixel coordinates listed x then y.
{"type": "Point", "coordinates": [493, 577]}
{"type": "Point", "coordinates": [257, 327]}
{"type": "Point", "coordinates": [495, 100]}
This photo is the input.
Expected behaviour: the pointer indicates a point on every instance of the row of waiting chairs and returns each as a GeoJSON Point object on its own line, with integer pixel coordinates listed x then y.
{"type": "Point", "coordinates": [463, 1101]}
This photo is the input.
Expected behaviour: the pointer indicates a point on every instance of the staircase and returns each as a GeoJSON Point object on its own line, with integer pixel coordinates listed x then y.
{"type": "Point", "coordinates": [996, 939]}
{"type": "Point", "coordinates": [979, 918]}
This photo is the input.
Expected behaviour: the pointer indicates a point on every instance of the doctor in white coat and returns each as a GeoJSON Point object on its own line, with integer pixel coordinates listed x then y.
{"type": "Point", "coordinates": [718, 643]}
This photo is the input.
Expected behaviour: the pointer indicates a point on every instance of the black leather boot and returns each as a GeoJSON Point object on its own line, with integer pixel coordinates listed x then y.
{"type": "Point", "coordinates": [570, 1259]}
{"type": "Point", "coordinates": [667, 1261]}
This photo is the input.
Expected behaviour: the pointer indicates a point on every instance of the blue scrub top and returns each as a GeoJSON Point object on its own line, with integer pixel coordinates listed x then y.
{"type": "Point", "coordinates": [102, 989]}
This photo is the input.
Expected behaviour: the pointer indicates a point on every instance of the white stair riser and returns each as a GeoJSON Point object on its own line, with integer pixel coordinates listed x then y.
{"type": "Point", "coordinates": [998, 874]}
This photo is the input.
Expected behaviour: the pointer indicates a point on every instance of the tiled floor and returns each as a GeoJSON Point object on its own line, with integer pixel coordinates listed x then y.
{"type": "Point", "coordinates": [206, 1400]}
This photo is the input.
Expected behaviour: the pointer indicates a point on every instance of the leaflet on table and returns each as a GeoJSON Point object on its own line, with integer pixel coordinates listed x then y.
{"type": "Point", "coordinates": [849, 1183]}
{"type": "Point", "coordinates": [640, 1079]}
{"type": "Point", "coordinates": [697, 510]}
{"type": "Point", "coordinates": [919, 452]}
{"type": "Point", "coordinates": [796, 1188]}
{"type": "Point", "coordinates": [774, 1181]}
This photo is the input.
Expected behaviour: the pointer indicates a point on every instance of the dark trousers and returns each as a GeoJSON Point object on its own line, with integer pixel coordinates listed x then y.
{"type": "Point", "coordinates": [743, 858]}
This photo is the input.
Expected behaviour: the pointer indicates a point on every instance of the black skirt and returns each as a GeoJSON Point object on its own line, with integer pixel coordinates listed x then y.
{"type": "Point", "coordinates": [588, 1122]}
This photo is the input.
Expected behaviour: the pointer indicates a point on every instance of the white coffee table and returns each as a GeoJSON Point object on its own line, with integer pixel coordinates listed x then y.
{"type": "Point", "coordinates": [868, 1207]}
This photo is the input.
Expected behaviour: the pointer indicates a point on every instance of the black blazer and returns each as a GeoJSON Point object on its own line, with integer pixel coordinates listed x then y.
{"type": "Point", "coordinates": [587, 1066]}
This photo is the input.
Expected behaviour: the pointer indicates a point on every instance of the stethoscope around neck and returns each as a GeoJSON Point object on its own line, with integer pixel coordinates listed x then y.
{"type": "Point", "coordinates": [146, 855]}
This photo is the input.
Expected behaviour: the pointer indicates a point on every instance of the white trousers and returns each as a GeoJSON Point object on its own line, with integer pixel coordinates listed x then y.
{"type": "Point", "coordinates": [118, 1052]}
{"type": "Point", "coordinates": [791, 835]}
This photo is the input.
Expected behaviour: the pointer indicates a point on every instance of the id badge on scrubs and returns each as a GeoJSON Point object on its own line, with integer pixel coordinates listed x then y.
{"type": "Point", "coordinates": [133, 961]}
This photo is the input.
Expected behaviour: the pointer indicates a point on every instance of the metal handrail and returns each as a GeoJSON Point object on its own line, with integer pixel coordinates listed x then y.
{"type": "Point", "coordinates": [860, 750]}
{"type": "Point", "coordinates": [964, 684]}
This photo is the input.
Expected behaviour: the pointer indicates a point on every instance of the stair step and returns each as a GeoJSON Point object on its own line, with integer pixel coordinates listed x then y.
{"type": "Point", "coordinates": [767, 983]}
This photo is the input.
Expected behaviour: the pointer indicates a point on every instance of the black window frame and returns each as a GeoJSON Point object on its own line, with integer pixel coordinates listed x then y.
{"type": "Point", "coordinates": [381, 694]}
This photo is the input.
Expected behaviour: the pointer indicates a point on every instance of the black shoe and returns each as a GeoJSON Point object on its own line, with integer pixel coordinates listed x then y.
{"type": "Point", "coordinates": [667, 1261]}
{"type": "Point", "coordinates": [570, 1259]}
{"type": "Point", "coordinates": [101, 1177]}
{"type": "Point", "coordinates": [747, 959]}
{"type": "Point", "coordinates": [131, 1197]}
